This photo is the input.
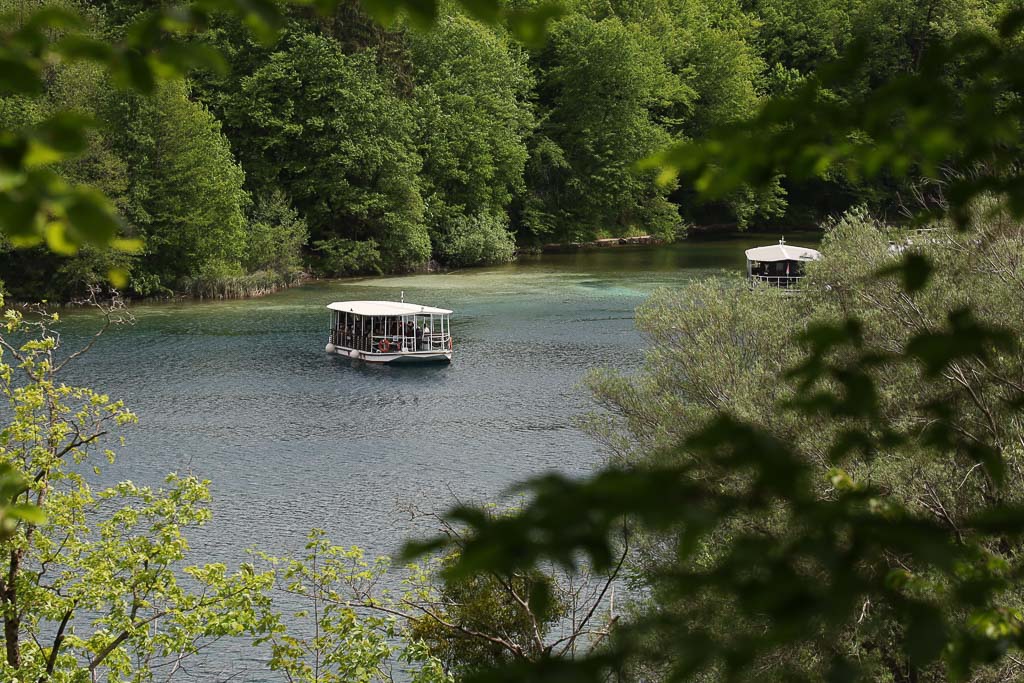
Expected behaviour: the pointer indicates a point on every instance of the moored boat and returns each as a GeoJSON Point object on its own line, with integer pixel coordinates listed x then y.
{"type": "Point", "coordinates": [391, 332]}
{"type": "Point", "coordinates": [779, 265]}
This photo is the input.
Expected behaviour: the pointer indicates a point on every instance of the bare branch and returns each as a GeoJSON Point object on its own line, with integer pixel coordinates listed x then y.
{"type": "Point", "coordinates": [571, 641]}
{"type": "Point", "coordinates": [114, 313]}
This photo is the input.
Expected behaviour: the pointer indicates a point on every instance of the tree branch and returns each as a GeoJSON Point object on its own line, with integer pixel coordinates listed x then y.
{"type": "Point", "coordinates": [597, 602]}
{"type": "Point", "coordinates": [51, 661]}
{"type": "Point", "coordinates": [123, 636]}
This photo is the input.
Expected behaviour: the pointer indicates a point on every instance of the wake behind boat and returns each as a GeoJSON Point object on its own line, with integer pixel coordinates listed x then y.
{"type": "Point", "coordinates": [390, 332]}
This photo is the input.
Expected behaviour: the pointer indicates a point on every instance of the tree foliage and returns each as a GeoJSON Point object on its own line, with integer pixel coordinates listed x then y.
{"type": "Point", "coordinates": [95, 578]}
{"type": "Point", "coordinates": [345, 628]}
{"type": "Point", "coordinates": [411, 146]}
{"type": "Point", "coordinates": [823, 486]}
{"type": "Point", "coordinates": [474, 119]}
{"type": "Point", "coordinates": [185, 190]}
{"type": "Point", "coordinates": [330, 131]}
{"type": "Point", "coordinates": [826, 485]}
{"type": "Point", "coordinates": [601, 79]}
{"type": "Point", "coordinates": [136, 47]}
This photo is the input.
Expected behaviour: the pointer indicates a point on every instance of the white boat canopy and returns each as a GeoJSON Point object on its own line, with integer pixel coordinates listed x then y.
{"type": "Point", "coordinates": [385, 308]}
{"type": "Point", "coordinates": [782, 252]}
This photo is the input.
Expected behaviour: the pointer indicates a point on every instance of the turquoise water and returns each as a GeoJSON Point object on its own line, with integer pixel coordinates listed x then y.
{"type": "Point", "coordinates": [242, 393]}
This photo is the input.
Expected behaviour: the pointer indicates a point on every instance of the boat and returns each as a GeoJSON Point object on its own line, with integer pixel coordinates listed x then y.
{"type": "Point", "coordinates": [778, 265]}
{"type": "Point", "coordinates": [390, 332]}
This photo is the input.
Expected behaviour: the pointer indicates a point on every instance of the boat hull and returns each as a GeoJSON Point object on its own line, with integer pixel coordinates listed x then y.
{"type": "Point", "coordinates": [394, 358]}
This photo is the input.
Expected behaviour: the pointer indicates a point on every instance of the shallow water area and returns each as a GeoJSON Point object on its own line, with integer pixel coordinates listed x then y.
{"type": "Point", "coordinates": [242, 393]}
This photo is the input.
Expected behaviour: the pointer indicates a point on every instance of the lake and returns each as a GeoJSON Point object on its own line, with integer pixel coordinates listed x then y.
{"type": "Point", "coordinates": [242, 393]}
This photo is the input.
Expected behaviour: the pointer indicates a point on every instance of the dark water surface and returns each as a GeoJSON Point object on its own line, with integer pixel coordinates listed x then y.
{"type": "Point", "coordinates": [242, 393]}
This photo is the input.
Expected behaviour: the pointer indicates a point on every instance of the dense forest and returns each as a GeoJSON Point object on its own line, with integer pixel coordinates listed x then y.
{"type": "Point", "coordinates": [816, 487]}
{"type": "Point", "coordinates": [345, 148]}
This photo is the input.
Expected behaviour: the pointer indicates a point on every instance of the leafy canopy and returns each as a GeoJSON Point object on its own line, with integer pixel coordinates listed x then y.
{"type": "Point", "coordinates": [949, 593]}
{"type": "Point", "coordinates": [36, 204]}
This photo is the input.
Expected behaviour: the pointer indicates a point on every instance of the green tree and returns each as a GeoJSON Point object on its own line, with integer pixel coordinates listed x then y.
{"type": "Point", "coordinates": [716, 346]}
{"type": "Point", "coordinates": [600, 82]}
{"type": "Point", "coordinates": [473, 85]}
{"type": "Point", "coordinates": [347, 624]}
{"type": "Point", "coordinates": [185, 195]}
{"type": "Point", "coordinates": [476, 623]}
{"type": "Point", "coordinates": [475, 240]}
{"type": "Point", "coordinates": [275, 236]}
{"type": "Point", "coordinates": [337, 257]}
{"type": "Point", "coordinates": [868, 525]}
{"type": "Point", "coordinates": [803, 35]}
{"type": "Point", "coordinates": [154, 46]}
{"type": "Point", "coordinates": [329, 130]}
{"type": "Point", "coordinates": [484, 621]}
{"type": "Point", "coordinates": [712, 47]}
{"type": "Point", "coordinates": [93, 586]}
{"type": "Point", "coordinates": [474, 119]}
{"type": "Point", "coordinates": [800, 38]}
{"type": "Point", "coordinates": [58, 270]}
{"type": "Point", "coordinates": [344, 630]}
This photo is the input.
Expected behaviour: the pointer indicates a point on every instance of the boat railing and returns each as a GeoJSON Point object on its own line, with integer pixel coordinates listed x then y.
{"type": "Point", "coordinates": [438, 342]}
{"type": "Point", "coordinates": [398, 343]}
{"type": "Point", "coordinates": [792, 282]}
{"type": "Point", "coordinates": [349, 340]}
{"type": "Point", "coordinates": [395, 342]}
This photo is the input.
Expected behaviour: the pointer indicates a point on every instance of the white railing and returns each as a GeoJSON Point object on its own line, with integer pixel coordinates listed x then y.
{"type": "Point", "coordinates": [781, 281]}
{"type": "Point", "coordinates": [437, 342]}
{"type": "Point", "coordinates": [395, 343]}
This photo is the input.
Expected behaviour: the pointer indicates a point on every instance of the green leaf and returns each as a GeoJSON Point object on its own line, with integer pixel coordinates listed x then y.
{"type": "Point", "coordinates": [54, 17]}
{"type": "Point", "coordinates": [262, 17]}
{"type": "Point", "coordinates": [18, 216]}
{"type": "Point", "coordinates": [128, 245]}
{"type": "Point", "coordinates": [60, 136]}
{"type": "Point", "coordinates": [964, 338]}
{"type": "Point", "coordinates": [118, 277]}
{"type": "Point", "coordinates": [131, 69]}
{"type": "Point", "coordinates": [18, 77]}
{"type": "Point", "coordinates": [79, 47]}
{"type": "Point", "coordinates": [1011, 23]}
{"type": "Point", "coordinates": [530, 26]}
{"type": "Point", "coordinates": [486, 11]}
{"type": "Point", "coordinates": [926, 632]}
{"type": "Point", "coordinates": [26, 512]}
{"type": "Point", "coordinates": [187, 56]}
{"type": "Point", "coordinates": [92, 216]}
{"type": "Point", "coordinates": [57, 239]}
{"type": "Point", "coordinates": [913, 269]}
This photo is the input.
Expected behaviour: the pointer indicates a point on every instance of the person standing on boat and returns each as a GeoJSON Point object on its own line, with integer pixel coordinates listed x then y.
{"type": "Point", "coordinates": [426, 336]}
{"type": "Point", "coordinates": [408, 334]}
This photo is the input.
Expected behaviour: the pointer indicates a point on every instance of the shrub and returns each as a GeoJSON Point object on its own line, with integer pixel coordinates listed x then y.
{"type": "Point", "coordinates": [338, 257]}
{"type": "Point", "coordinates": [476, 240]}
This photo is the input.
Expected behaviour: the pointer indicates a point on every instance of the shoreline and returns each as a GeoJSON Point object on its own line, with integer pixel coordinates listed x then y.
{"type": "Point", "coordinates": [603, 243]}
{"type": "Point", "coordinates": [174, 298]}
{"type": "Point", "coordinates": [431, 267]}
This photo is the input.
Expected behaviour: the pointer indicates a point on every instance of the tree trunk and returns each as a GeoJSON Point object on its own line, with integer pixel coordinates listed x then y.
{"type": "Point", "coordinates": [12, 622]}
